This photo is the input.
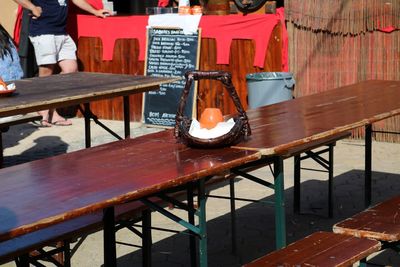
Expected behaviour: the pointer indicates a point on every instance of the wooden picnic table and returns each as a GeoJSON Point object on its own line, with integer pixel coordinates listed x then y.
{"type": "Point", "coordinates": [80, 88]}
{"type": "Point", "coordinates": [284, 129]}
{"type": "Point", "coordinates": [71, 185]}
{"type": "Point", "coordinates": [42, 193]}
{"type": "Point", "coordinates": [62, 90]}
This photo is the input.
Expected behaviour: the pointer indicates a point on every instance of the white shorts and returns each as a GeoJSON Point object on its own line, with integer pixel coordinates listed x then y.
{"type": "Point", "coordinates": [50, 49]}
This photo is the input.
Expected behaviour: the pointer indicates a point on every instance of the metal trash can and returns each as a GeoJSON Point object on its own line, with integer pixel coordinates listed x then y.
{"type": "Point", "coordinates": [265, 88]}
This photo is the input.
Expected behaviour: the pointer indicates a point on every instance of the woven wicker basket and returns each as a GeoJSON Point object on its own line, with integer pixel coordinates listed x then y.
{"type": "Point", "coordinates": [182, 124]}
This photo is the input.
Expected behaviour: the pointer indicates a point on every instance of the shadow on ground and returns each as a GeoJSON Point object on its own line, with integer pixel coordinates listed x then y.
{"type": "Point", "coordinates": [255, 222]}
{"type": "Point", "coordinates": [44, 146]}
{"type": "Point", "coordinates": [16, 133]}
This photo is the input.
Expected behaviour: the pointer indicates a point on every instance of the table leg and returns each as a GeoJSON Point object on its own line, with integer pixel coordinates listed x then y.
{"type": "Point", "coordinates": [202, 224]}
{"type": "Point", "coordinates": [110, 256]}
{"type": "Point", "coordinates": [280, 224]}
{"type": "Point", "coordinates": [127, 117]}
{"type": "Point", "coordinates": [368, 165]}
{"type": "Point", "coordinates": [233, 214]}
{"type": "Point", "coordinates": [296, 192]}
{"type": "Point", "coordinates": [86, 115]}
{"type": "Point", "coordinates": [330, 182]}
{"type": "Point", "coordinates": [191, 220]}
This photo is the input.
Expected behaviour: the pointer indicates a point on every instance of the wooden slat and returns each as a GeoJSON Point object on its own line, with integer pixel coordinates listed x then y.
{"type": "Point", "coordinates": [380, 222]}
{"type": "Point", "coordinates": [71, 229]}
{"type": "Point", "coordinates": [320, 249]}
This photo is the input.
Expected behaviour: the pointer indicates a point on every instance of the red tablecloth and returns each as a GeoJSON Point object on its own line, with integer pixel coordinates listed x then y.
{"type": "Point", "coordinates": [222, 28]}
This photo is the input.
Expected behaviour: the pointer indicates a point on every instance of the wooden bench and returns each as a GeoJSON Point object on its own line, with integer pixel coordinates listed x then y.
{"type": "Point", "coordinates": [323, 249]}
{"type": "Point", "coordinates": [380, 222]}
{"type": "Point", "coordinates": [6, 122]}
{"type": "Point", "coordinates": [28, 248]}
{"type": "Point", "coordinates": [20, 247]}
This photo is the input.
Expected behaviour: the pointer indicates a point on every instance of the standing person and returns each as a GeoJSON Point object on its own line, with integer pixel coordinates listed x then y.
{"type": "Point", "coordinates": [52, 45]}
{"type": "Point", "coordinates": [10, 68]}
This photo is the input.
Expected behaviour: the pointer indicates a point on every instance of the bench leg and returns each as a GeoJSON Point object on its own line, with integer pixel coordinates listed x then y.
{"type": "Point", "coordinates": [233, 215]}
{"type": "Point", "coordinates": [146, 238]}
{"type": "Point", "coordinates": [110, 256]}
{"type": "Point", "coordinates": [22, 261]}
{"type": "Point", "coordinates": [67, 253]}
{"type": "Point", "coordinates": [191, 219]}
{"type": "Point", "coordinates": [363, 263]}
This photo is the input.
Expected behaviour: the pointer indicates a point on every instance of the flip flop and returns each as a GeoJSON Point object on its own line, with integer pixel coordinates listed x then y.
{"type": "Point", "coordinates": [62, 122]}
{"type": "Point", "coordinates": [44, 123]}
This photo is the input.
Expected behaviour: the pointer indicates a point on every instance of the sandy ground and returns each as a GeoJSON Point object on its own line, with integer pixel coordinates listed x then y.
{"type": "Point", "coordinates": [255, 221]}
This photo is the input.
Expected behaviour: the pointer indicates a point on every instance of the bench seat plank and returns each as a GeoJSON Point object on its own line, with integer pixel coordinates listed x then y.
{"type": "Point", "coordinates": [320, 249]}
{"type": "Point", "coordinates": [380, 222]}
{"type": "Point", "coordinates": [70, 229]}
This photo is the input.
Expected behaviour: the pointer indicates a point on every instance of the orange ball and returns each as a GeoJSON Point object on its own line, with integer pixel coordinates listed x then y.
{"type": "Point", "coordinates": [210, 118]}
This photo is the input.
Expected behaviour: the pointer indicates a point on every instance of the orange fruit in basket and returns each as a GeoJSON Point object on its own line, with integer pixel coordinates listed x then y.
{"type": "Point", "coordinates": [210, 118]}
{"type": "Point", "coordinates": [3, 83]}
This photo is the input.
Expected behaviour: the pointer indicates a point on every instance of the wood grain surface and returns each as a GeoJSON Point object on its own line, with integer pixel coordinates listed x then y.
{"type": "Point", "coordinates": [305, 121]}
{"type": "Point", "coordinates": [62, 90]}
{"type": "Point", "coordinates": [41, 193]}
{"type": "Point", "coordinates": [380, 222]}
{"type": "Point", "coordinates": [320, 249]}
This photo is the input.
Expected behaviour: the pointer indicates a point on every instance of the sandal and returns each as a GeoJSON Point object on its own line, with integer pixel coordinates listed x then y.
{"type": "Point", "coordinates": [62, 122]}
{"type": "Point", "coordinates": [44, 123]}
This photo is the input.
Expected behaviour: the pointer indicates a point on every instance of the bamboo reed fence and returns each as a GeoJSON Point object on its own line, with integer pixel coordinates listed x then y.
{"type": "Point", "coordinates": [333, 43]}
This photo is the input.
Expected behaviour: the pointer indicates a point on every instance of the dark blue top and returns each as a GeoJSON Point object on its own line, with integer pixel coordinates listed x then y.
{"type": "Point", "coordinates": [53, 19]}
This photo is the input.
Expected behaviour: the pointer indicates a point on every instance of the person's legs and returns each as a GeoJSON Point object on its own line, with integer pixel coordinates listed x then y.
{"type": "Point", "coordinates": [67, 66]}
{"type": "Point", "coordinates": [46, 70]}
{"type": "Point", "coordinates": [50, 50]}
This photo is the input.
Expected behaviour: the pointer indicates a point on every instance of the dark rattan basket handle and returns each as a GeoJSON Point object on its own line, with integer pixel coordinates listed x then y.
{"type": "Point", "coordinates": [226, 79]}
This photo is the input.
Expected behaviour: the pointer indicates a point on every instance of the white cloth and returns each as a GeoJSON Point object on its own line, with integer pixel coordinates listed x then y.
{"type": "Point", "coordinates": [203, 133]}
{"type": "Point", "coordinates": [188, 23]}
{"type": "Point", "coordinates": [10, 86]}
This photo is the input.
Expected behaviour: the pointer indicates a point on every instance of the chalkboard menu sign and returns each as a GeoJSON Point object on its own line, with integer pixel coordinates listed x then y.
{"type": "Point", "coordinates": [170, 53]}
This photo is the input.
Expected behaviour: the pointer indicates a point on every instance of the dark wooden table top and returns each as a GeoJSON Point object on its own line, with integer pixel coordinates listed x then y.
{"type": "Point", "coordinates": [62, 90]}
{"type": "Point", "coordinates": [43, 192]}
{"type": "Point", "coordinates": [280, 128]}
